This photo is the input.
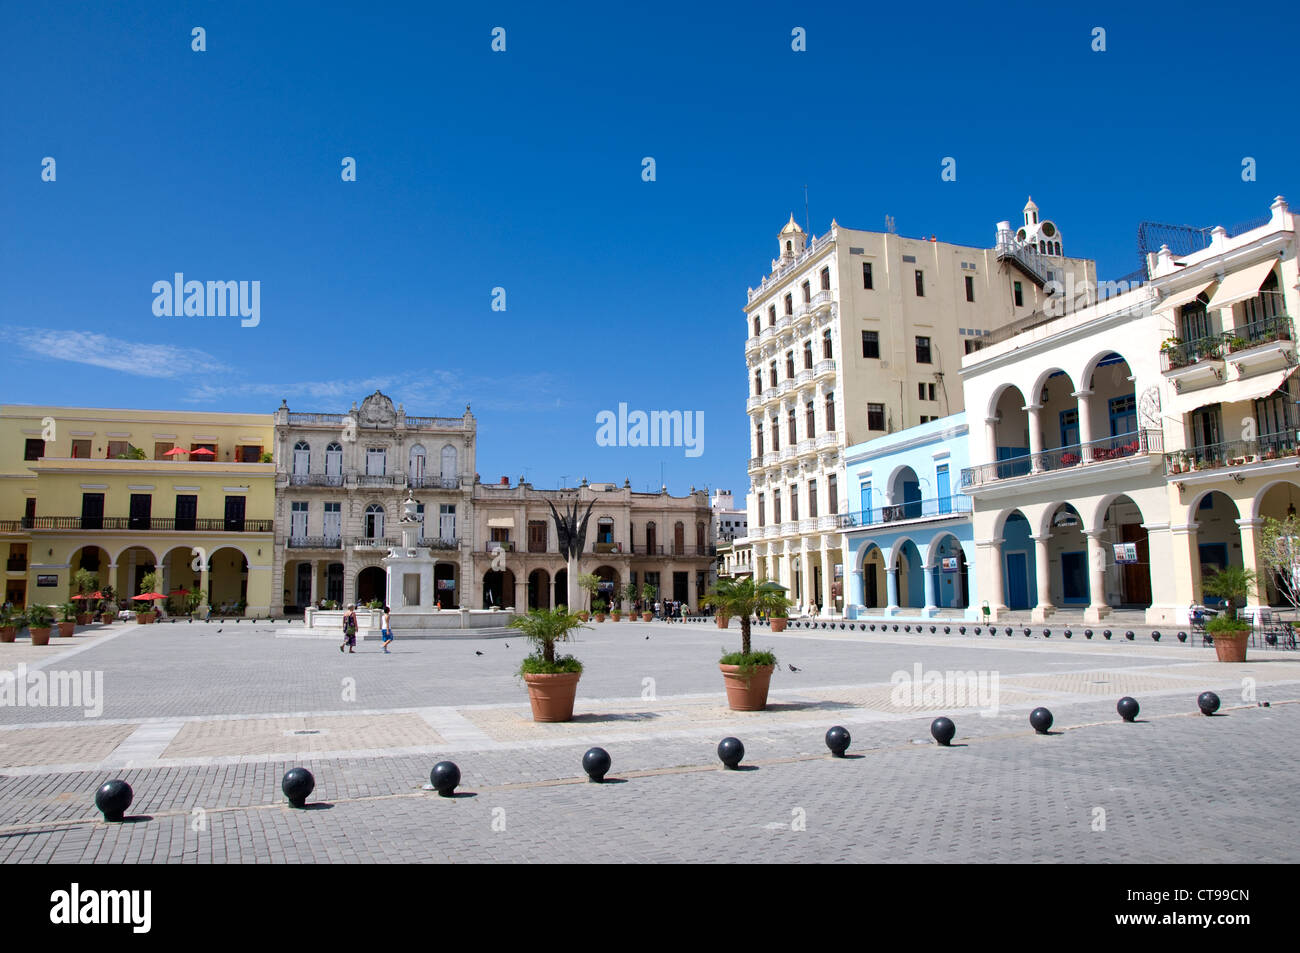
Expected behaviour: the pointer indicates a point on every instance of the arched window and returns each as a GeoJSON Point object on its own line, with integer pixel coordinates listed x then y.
{"type": "Point", "coordinates": [776, 433]}
{"type": "Point", "coordinates": [807, 292]}
{"type": "Point", "coordinates": [830, 413]}
{"type": "Point", "coordinates": [758, 438]}
{"type": "Point", "coordinates": [810, 420]}
{"type": "Point", "coordinates": [448, 468]}
{"type": "Point", "coordinates": [789, 364]}
{"type": "Point", "coordinates": [826, 279]}
{"type": "Point", "coordinates": [605, 530]}
{"type": "Point", "coordinates": [301, 458]}
{"type": "Point", "coordinates": [789, 304]}
{"type": "Point", "coordinates": [771, 316]}
{"type": "Point", "coordinates": [771, 377]}
{"type": "Point", "coordinates": [651, 538]}
{"type": "Point", "coordinates": [334, 460]}
{"type": "Point", "coordinates": [679, 539]}
{"type": "Point", "coordinates": [756, 327]}
{"type": "Point", "coordinates": [699, 538]}
{"type": "Point", "coordinates": [807, 354]}
{"type": "Point", "coordinates": [758, 383]}
{"type": "Point", "coordinates": [374, 521]}
{"type": "Point", "coordinates": [827, 351]}
{"type": "Point", "coordinates": [415, 468]}
{"type": "Point", "coordinates": [790, 431]}
{"type": "Point", "coordinates": [789, 247]}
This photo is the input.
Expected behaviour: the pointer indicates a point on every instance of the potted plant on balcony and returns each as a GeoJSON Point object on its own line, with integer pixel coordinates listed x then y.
{"type": "Point", "coordinates": [552, 681]}
{"type": "Point", "coordinates": [87, 582]}
{"type": "Point", "coordinates": [598, 606]}
{"type": "Point", "coordinates": [67, 620]}
{"type": "Point", "coordinates": [40, 620]}
{"type": "Point", "coordinates": [747, 673]}
{"type": "Point", "coordinates": [648, 593]}
{"type": "Point", "coordinates": [10, 622]}
{"type": "Point", "coordinates": [1230, 633]}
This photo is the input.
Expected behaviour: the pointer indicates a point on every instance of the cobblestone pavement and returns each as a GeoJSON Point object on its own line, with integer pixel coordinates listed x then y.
{"type": "Point", "coordinates": [203, 725]}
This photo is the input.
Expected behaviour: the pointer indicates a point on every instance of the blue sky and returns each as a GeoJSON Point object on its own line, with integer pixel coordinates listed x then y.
{"type": "Point", "coordinates": [522, 170]}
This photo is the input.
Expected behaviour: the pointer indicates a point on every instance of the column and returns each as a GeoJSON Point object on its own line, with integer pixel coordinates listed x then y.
{"type": "Point", "coordinates": [521, 594]}
{"type": "Point", "coordinates": [692, 590]}
{"type": "Point", "coordinates": [1035, 437]}
{"type": "Point", "coordinates": [315, 597]}
{"type": "Point", "coordinates": [1085, 423]}
{"type": "Point", "coordinates": [1097, 608]}
{"type": "Point", "coordinates": [1186, 568]}
{"type": "Point", "coordinates": [828, 584]}
{"type": "Point", "coordinates": [891, 589]}
{"type": "Point", "coordinates": [806, 562]}
{"type": "Point", "coordinates": [1043, 576]}
{"type": "Point", "coordinates": [1257, 594]}
{"type": "Point", "coordinates": [994, 592]}
{"type": "Point", "coordinates": [991, 439]}
{"type": "Point", "coordinates": [1164, 581]}
{"type": "Point", "coordinates": [931, 591]}
{"type": "Point", "coordinates": [855, 591]}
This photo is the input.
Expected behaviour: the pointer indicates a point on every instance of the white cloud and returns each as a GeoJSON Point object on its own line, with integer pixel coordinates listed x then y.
{"type": "Point", "coordinates": [147, 359]}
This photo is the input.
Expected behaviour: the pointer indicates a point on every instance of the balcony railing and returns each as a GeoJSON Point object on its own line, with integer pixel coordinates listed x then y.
{"type": "Point", "coordinates": [824, 367]}
{"type": "Point", "coordinates": [1215, 347]}
{"type": "Point", "coordinates": [316, 479]}
{"type": "Point", "coordinates": [379, 479]}
{"type": "Point", "coordinates": [148, 523]}
{"type": "Point", "coordinates": [492, 545]}
{"type": "Point", "coordinates": [641, 549]}
{"type": "Point", "coordinates": [1274, 446]}
{"type": "Point", "coordinates": [1264, 331]}
{"type": "Point", "coordinates": [1185, 353]}
{"type": "Point", "coordinates": [433, 483]}
{"type": "Point", "coordinates": [439, 542]}
{"type": "Point", "coordinates": [935, 508]}
{"type": "Point", "coordinates": [16, 564]}
{"type": "Point", "coordinates": [300, 418]}
{"type": "Point", "coordinates": [373, 542]}
{"type": "Point", "coordinates": [1137, 443]}
{"type": "Point", "coordinates": [315, 542]}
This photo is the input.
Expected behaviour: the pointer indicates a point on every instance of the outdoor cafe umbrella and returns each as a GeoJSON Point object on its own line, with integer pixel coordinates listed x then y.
{"type": "Point", "coordinates": [152, 596]}
{"type": "Point", "coordinates": [202, 452]}
{"type": "Point", "coordinates": [175, 452]}
{"type": "Point", "coordinates": [179, 592]}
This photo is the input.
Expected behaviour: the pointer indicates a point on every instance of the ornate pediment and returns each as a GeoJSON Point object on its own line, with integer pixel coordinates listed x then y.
{"type": "Point", "coordinates": [377, 412]}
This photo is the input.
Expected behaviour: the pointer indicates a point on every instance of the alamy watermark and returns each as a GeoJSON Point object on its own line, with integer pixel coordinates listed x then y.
{"type": "Point", "coordinates": [657, 428]}
{"type": "Point", "coordinates": [212, 299]}
{"type": "Point", "coordinates": [934, 690]}
{"type": "Point", "coordinates": [55, 689]}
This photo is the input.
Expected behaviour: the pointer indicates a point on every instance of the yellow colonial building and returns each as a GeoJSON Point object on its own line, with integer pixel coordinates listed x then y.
{"type": "Point", "coordinates": [121, 493]}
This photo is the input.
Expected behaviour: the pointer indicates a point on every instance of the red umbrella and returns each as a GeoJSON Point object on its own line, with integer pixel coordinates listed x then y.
{"type": "Point", "coordinates": [202, 452]}
{"type": "Point", "coordinates": [152, 596]}
{"type": "Point", "coordinates": [175, 452]}
{"type": "Point", "coordinates": [78, 597]}
{"type": "Point", "coordinates": [179, 592]}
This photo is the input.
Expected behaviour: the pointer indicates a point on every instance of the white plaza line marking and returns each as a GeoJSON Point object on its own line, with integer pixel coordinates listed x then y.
{"type": "Point", "coordinates": [453, 726]}
{"type": "Point", "coordinates": [143, 747]}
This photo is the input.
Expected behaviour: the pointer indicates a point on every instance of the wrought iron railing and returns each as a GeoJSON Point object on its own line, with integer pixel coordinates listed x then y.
{"type": "Point", "coordinates": [16, 564]}
{"type": "Point", "coordinates": [316, 479]}
{"type": "Point", "coordinates": [374, 542]}
{"type": "Point", "coordinates": [149, 523]}
{"type": "Point", "coordinates": [937, 507]}
{"type": "Point", "coordinates": [1266, 447]}
{"type": "Point", "coordinates": [1177, 354]}
{"type": "Point", "coordinates": [1264, 331]}
{"type": "Point", "coordinates": [1137, 443]}
{"type": "Point", "coordinates": [438, 542]}
{"type": "Point", "coordinates": [379, 479]}
{"type": "Point", "coordinates": [1214, 347]}
{"type": "Point", "coordinates": [303, 418]}
{"type": "Point", "coordinates": [433, 483]}
{"type": "Point", "coordinates": [315, 542]}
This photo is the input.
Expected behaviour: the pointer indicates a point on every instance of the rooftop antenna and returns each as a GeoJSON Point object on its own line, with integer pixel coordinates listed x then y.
{"type": "Point", "coordinates": [564, 481]}
{"type": "Point", "coordinates": [806, 227]}
{"type": "Point", "coordinates": [889, 224]}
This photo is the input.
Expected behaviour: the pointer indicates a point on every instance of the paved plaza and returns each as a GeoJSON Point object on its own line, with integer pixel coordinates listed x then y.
{"type": "Point", "coordinates": [203, 720]}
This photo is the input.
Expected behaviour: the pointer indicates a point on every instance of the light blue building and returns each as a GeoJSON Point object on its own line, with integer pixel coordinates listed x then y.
{"type": "Point", "coordinates": [908, 533]}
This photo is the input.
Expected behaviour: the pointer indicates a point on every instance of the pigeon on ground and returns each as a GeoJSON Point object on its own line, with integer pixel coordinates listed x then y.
{"type": "Point", "coordinates": [507, 645]}
{"type": "Point", "coordinates": [477, 652]}
{"type": "Point", "coordinates": [793, 669]}
{"type": "Point", "coordinates": [647, 638]}
{"type": "Point", "coordinates": [218, 631]}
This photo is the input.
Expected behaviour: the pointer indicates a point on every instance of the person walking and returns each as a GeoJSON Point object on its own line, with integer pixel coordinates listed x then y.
{"type": "Point", "coordinates": [350, 630]}
{"type": "Point", "coordinates": [386, 630]}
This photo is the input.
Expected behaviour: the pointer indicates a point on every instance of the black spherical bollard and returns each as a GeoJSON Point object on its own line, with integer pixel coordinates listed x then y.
{"type": "Point", "coordinates": [1127, 707]}
{"type": "Point", "coordinates": [872, 627]}
{"type": "Point", "coordinates": [596, 763]}
{"type": "Point", "coordinates": [297, 786]}
{"type": "Point", "coordinates": [943, 730]}
{"type": "Point", "coordinates": [1208, 702]}
{"type": "Point", "coordinates": [961, 629]}
{"type": "Point", "coordinates": [730, 751]}
{"type": "Point", "coordinates": [978, 630]}
{"type": "Point", "coordinates": [931, 628]}
{"type": "Point", "coordinates": [444, 777]}
{"type": "Point", "coordinates": [1182, 636]}
{"type": "Point", "coordinates": [1008, 630]}
{"type": "Point", "coordinates": [1087, 633]}
{"type": "Point", "coordinates": [1041, 720]}
{"type": "Point", "coordinates": [1155, 636]}
{"type": "Point", "coordinates": [907, 628]}
{"type": "Point", "coordinates": [1068, 634]}
{"type": "Point", "coordinates": [947, 629]}
{"type": "Point", "coordinates": [1028, 631]}
{"type": "Point", "coordinates": [837, 739]}
{"type": "Point", "coordinates": [1129, 635]}
{"type": "Point", "coordinates": [113, 798]}
{"type": "Point", "coordinates": [1047, 633]}
{"type": "Point", "coordinates": [1107, 634]}
{"type": "Point", "coordinates": [895, 626]}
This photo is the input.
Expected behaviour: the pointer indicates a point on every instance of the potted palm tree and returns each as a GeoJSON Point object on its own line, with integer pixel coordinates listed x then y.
{"type": "Point", "coordinates": [648, 593]}
{"type": "Point", "coordinates": [10, 622]}
{"type": "Point", "coordinates": [629, 596]}
{"type": "Point", "coordinates": [599, 608]}
{"type": "Point", "coordinates": [108, 608]}
{"type": "Point", "coordinates": [1231, 584]}
{"type": "Point", "coordinates": [616, 607]}
{"type": "Point", "coordinates": [589, 583]}
{"type": "Point", "coordinates": [87, 582]}
{"type": "Point", "coordinates": [552, 681]}
{"type": "Point", "coordinates": [67, 620]}
{"type": "Point", "coordinates": [40, 619]}
{"type": "Point", "coordinates": [747, 673]}
{"type": "Point", "coordinates": [778, 618]}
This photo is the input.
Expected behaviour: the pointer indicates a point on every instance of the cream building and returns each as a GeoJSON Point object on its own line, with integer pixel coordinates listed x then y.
{"type": "Point", "coordinates": [854, 335]}
{"type": "Point", "coordinates": [340, 483]}
{"type": "Point", "coordinates": [1121, 451]}
{"type": "Point", "coordinates": [666, 541]}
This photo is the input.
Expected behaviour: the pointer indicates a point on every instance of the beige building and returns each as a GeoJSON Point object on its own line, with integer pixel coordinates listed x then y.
{"type": "Point", "coordinates": [666, 541]}
{"type": "Point", "coordinates": [340, 482]}
{"type": "Point", "coordinates": [856, 334]}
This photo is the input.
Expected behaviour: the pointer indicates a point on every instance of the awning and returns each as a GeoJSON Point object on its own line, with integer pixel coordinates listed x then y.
{"type": "Point", "coordinates": [1178, 299]}
{"type": "Point", "coordinates": [1241, 285]}
{"type": "Point", "coordinates": [1252, 388]}
{"type": "Point", "coordinates": [501, 522]}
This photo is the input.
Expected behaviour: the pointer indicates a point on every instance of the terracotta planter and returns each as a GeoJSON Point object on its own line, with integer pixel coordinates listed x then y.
{"type": "Point", "coordinates": [616, 615]}
{"type": "Point", "coordinates": [584, 616]}
{"type": "Point", "coordinates": [1230, 647]}
{"type": "Point", "coordinates": [107, 618]}
{"type": "Point", "coordinates": [84, 618]}
{"type": "Point", "coordinates": [600, 617]}
{"type": "Point", "coordinates": [723, 620]}
{"type": "Point", "coordinates": [747, 692]}
{"type": "Point", "coordinates": [8, 633]}
{"type": "Point", "coordinates": [144, 618]}
{"type": "Point", "coordinates": [40, 636]}
{"type": "Point", "coordinates": [778, 625]}
{"type": "Point", "coordinates": [647, 616]}
{"type": "Point", "coordinates": [552, 695]}
{"type": "Point", "coordinates": [66, 629]}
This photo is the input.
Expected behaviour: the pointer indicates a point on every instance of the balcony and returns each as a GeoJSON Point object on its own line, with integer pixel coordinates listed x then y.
{"type": "Point", "coordinates": [492, 545]}
{"type": "Point", "coordinates": [828, 522]}
{"type": "Point", "coordinates": [1083, 456]}
{"type": "Point", "coordinates": [433, 483]}
{"type": "Point", "coordinates": [820, 301]}
{"type": "Point", "coordinates": [16, 564]}
{"type": "Point", "coordinates": [373, 542]}
{"type": "Point", "coordinates": [755, 463]}
{"type": "Point", "coordinates": [829, 439]}
{"type": "Point", "coordinates": [787, 385]}
{"type": "Point", "coordinates": [803, 377]}
{"type": "Point", "coordinates": [644, 550]}
{"type": "Point", "coordinates": [943, 507]}
{"type": "Point", "coordinates": [825, 368]}
{"type": "Point", "coordinates": [787, 453]}
{"type": "Point", "coordinates": [1235, 453]}
{"type": "Point", "coordinates": [1269, 342]}
{"type": "Point", "coordinates": [316, 479]}
{"type": "Point", "coordinates": [315, 542]}
{"type": "Point", "coordinates": [378, 479]}
{"type": "Point", "coordinates": [606, 547]}
{"type": "Point", "coordinates": [153, 524]}
{"type": "Point", "coordinates": [772, 393]}
{"type": "Point", "coordinates": [300, 418]}
{"type": "Point", "coordinates": [1193, 363]}
{"type": "Point", "coordinates": [771, 458]}
{"type": "Point", "coordinates": [789, 528]}
{"type": "Point", "coordinates": [806, 447]}
{"type": "Point", "coordinates": [439, 542]}
{"type": "Point", "coordinates": [753, 402]}
{"type": "Point", "coordinates": [784, 322]}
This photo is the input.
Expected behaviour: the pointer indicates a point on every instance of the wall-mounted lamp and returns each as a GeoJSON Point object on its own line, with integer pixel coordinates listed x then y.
{"type": "Point", "coordinates": [1238, 478]}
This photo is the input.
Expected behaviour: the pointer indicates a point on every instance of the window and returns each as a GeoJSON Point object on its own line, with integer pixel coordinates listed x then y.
{"type": "Point", "coordinates": [875, 416]}
{"type": "Point", "coordinates": [920, 392]}
{"type": "Point", "coordinates": [81, 450]}
{"type": "Point", "coordinates": [776, 506]}
{"type": "Point", "coordinates": [794, 501]}
{"type": "Point", "coordinates": [447, 522]}
{"type": "Point", "coordinates": [415, 462]}
{"type": "Point", "coordinates": [758, 439]}
{"type": "Point", "coordinates": [807, 292]}
{"type": "Point", "coordinates": [376, 461]}
{"type": "Point", "coordinates": [334, 460]}
{"type": "Point", "coordinates": [771, 368]}
{"type": "Point", "coordinates": [920, 283]}
{"type": "Point", "coordinates": [187, 509]}
{"type": "Point", "coordinates": [866, 275]}
{"type": "Point", "coordinates": [374, 525]}
{"type": "Point", "coordinates": [972, 346]}
{"type": "Point", "coordinates": [970, 288]}
{"type": "Point", "coordinates": [756, 327]}
{"type": "Point", "coordinates": [1123, 415]}
{"type": "Point", "coordinates": [141, 510]}
{"type": "Point", "coordinates": [832, 495]}
{"type": "Point", "coordinates": [830, 413]}
{"type": "Point", "coordinates": [789, 304]}
{"type": "Point", "coordinates": [1193, 321]}
{"type": "Point", "coordinates": [776, 434]}
{"type": "Point", "coordinates": [758, 383]}
{"type": "Point", "coordinates": [248, 453]}
{"type": "Point", "coordinates": [297, 520]}
{"type": "Point", "coordinates": [810, 419]}
{"type": "Point", "coordinates": [790, 431]}
{"type": "Point", "coordinates": [923, 350]}
{"type": "Point", "coordinates": [333, 526]}
{"type": "Point", "coordinates": [771, 316]}
{"type": "Point", "coordinates": [301, 459]}
{"type": "Point", "coordinates": [807, 355]}
{"type": "Point", "coordinates": [762, 512]}
{"type": "Point", "coordinates": [116, 448]}
{"type": "Point", "coordinates": [871, 345]}
{"type": "Point", "coordinates": [1019, 294]}
{"type": "Point", "coordinates": [812, 499]}
{"type": "Point", "coordinates": [33, 449]}
{"type": "Point", "coordinates": [789, 364]}
{"type": "Point", "coordinates": [827, 352]}
{"type": "Point", "coordinates": [235, 506]}
{"type": "Point", "coordinates": [537, 536]}
{"type": "Point", "coordinates": [826, 279]}
{"type": "Point", "coordinates": [206, 452]}
{"type": "Point", "coordinates": [925, 391]}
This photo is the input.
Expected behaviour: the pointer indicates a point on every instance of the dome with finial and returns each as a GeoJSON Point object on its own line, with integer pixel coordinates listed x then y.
{"type": "Point", "coordinates": [792, 227]}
